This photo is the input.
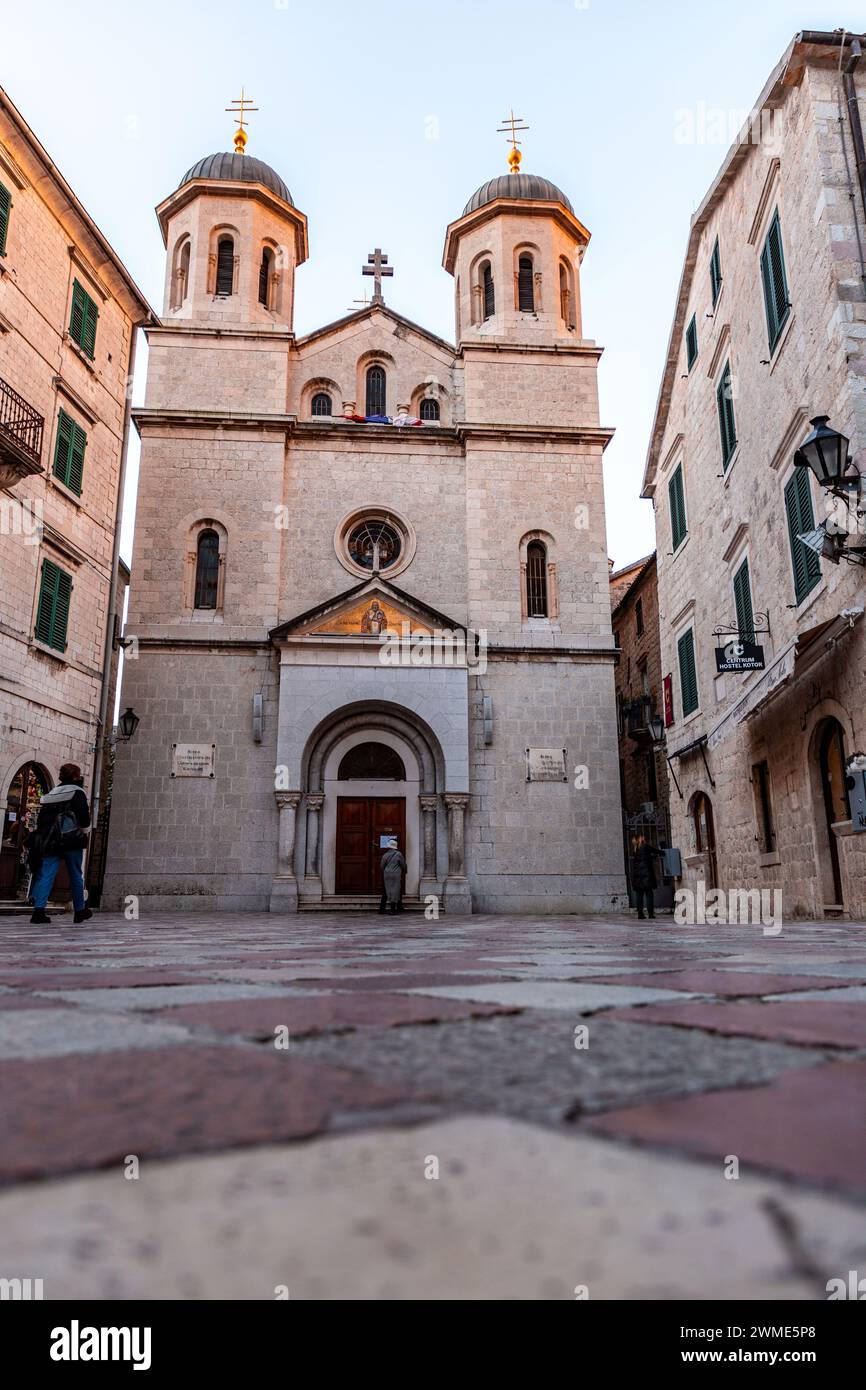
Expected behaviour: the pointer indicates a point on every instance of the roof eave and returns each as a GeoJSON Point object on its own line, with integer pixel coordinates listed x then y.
{"type": "Point", "coordinates": [530, 207]}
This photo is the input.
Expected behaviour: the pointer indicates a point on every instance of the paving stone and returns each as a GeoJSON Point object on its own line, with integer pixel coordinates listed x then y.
{"type": "Point", "coordinates": [823, 1022]}
{"type": "Point", "coordinates": [74, 1113]}
{"type": "Point", "coordinates": [528, 1066]}
{"type": "Point", "coordinates": [807, 1124]}
{"type": "Point", "coordinates": [158, 997]}
{"type": "Point", "coordinates": [846, 994]}
{"type": "Point", "coordinates": [576, 998]}
{"type": "Point", "coordinates": [109, 976]}
{"type": "Point", "coordinates": [54, 1032]}
{"type": "Point", "coordinates": [516, 1214]}
{"type": "Point", "coordinates": [24, 1001]}
{"type": "Point", "coordinates": [316, 1013]}
{"type": "Point", "coordinates": [728, 982]}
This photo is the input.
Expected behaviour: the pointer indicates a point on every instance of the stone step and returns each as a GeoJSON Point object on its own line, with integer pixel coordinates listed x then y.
{"type": "Point", "coordinates": [361, 902]}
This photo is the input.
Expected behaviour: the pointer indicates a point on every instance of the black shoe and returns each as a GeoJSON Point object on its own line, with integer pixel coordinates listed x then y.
{"type": "Point", "coordinates": [640, 917]}
{"type": "Point", "coordinates": [82, 916]}
{"type": "Point", "coordinates": [40, 917]}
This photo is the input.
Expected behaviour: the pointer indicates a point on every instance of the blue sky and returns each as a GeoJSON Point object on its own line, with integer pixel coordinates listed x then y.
{"type": "Point", "coordinates": [382, 119]}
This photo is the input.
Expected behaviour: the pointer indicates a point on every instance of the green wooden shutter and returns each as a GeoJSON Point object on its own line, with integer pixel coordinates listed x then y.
{"type": "Point", "coordinates": [5, 208]}
{"type": "Point", "coordinates": [82, 319]}
{"type": "Point", "coordinates": [775, 282]}
{"type": "Point", "coordinates": [676, 499]}
{"type": "Point", "coordinates": [688, 672]}
{"type": "Point", "coordinates": [52, 610]}
{"type": "Point", "coordinates": [716, 272]}
{"type": "Point", "coordinates": [727, 424]}
{"type": "Point", "coordinates": [691, 343]}
{"type": "Point", "coordinates": [798, 505]}
{"type": "Point", "coordinates": [69, 450]}
{"type": "Point", "coordinates": [743, 601]}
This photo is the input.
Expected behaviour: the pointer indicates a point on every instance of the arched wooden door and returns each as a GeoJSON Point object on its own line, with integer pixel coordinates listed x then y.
{"type": "Point", "coordinates": [705, 835]}
{"type": "Point", "coordinates": [19, 817]}
{"type": "Point", "coordinates": [831, 761]}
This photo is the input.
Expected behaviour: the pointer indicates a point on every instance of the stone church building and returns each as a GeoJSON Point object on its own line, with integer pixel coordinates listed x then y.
{"type": "Point", "coordinates": [370, 583]}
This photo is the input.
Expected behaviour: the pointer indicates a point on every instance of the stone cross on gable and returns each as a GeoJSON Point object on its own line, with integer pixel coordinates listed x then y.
{"type": "Point", "coordinates": [377, 266]}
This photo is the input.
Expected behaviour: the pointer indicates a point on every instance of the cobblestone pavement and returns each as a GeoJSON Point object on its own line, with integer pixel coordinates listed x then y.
{"type": "Point", "coordinates": [489, 1107]}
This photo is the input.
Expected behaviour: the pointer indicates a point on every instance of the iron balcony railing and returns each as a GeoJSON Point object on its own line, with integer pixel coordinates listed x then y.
{"type": "Point", "coordinates": [20, 424]}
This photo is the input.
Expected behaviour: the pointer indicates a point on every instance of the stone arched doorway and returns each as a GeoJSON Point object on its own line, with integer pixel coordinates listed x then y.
{"type": "Point", "coordinates": [704, 830]}
{"type": "Point", "coordinates": [27, 784]}
{"type": "Point", "coordinates": [833, 807]}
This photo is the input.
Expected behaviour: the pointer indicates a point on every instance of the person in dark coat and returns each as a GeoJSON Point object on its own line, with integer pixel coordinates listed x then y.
{"type": "Point", "coordinates": [393, 869]}
{"type": "Point", "coordinates": [643, 875]}
{"type": "Point", "coordinates": [62, 818]}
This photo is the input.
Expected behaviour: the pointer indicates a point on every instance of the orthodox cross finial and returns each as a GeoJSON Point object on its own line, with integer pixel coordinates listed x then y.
{"type": "Point", "coordinates": [377, 266]}
{"type": "Point", "coordinates": [510, 126]}
{"type": "Point", "coordinates": [241, 104]}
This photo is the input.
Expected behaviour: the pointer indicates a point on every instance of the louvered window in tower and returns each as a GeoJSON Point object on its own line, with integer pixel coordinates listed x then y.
{"type": "Point", "coordinates": [489, 294]}
{"type": "Point", "coordinates": [536, 580]}
{"type": "Point", "coordinates": [265, 277]}
{"type": "Point", "coordinates": [225, 272]}
{"type": "Point", "coordinates": [375, 390]}
{"type": "Point", "coordinates": [207, 568]}
{"type": "Point", "coordinates": [525, 295]}
{"type": "Point", "coordinates": [321, 404]}
{"type": "Point", "coordinates": [429, 409]}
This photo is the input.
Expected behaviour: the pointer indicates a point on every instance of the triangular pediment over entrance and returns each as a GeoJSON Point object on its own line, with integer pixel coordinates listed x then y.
{"type": "Point", "coordinates": [367, 610]}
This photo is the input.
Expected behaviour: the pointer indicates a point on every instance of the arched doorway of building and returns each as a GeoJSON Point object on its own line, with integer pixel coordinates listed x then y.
{"type": "Point", "coordinates": [705, 836]}
{"type": "Point", "coordinates": [830, 747]}
{"type": "Point", "coordinates": [19, 818]}
{"type": "Point", "coordinates": [365, 822]}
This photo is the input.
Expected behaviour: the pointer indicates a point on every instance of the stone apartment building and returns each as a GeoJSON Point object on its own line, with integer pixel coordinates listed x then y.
{"type": "Point", "coordinates": [68, 317]}
{"type": "Point", "coordinates": [643, 772]}
{"type": "Point", "coordinates": [303, 502]}
{"type": "Point", "coordinates": [769, 333]}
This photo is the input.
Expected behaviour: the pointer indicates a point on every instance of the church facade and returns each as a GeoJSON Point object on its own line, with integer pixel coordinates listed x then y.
{"type": "Point", "coordinates": [370, 583]}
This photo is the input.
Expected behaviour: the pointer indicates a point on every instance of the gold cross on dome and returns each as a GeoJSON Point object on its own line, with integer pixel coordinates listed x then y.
{"type": "Point", "coordinates": [510, 127]}
{"type": "Point", "coordinates": [242, 105]}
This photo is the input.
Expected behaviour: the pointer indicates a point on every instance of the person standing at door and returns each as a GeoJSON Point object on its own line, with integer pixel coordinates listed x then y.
{"type": "Point", "coordinates": [59, 838]}
{"type": "Point", "coordinates": [393, 868]}
{"type": "Point", "coordinates": [643, 877]}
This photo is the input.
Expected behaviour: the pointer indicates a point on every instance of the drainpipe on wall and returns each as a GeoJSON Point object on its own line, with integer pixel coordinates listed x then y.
{"type": "Point", "coordinates": [854, 117]}
{"type": "Point", "coordinates": [99, 753]}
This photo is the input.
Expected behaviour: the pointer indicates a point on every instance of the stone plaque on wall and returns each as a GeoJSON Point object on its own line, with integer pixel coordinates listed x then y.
{"type": "Point", "coordinates": [545, 765]}
{"type": "Point", "coordinates": [192, 759]}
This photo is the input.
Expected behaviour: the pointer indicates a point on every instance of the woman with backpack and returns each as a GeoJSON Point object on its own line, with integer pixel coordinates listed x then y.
{"type": "Point", "coordinates": [60, 837]}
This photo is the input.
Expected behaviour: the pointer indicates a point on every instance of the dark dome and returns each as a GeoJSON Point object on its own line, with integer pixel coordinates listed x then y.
{"type": "Point", "coordinates": [527, 187]}
{"type": "Point", "coordinates": [241, 167]}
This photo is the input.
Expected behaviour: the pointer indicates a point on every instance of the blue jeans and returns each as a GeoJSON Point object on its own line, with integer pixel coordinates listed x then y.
{"type": "Point", "coordinates": [43, 881]}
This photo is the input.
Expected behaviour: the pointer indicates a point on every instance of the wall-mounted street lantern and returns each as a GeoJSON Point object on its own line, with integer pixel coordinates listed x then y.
{"type": "Point", "coordinates": [825, 452]}
{"type": "Point", "coordinates": [127, 724]}
{"type": "Point", "coordinates": [657, 730]}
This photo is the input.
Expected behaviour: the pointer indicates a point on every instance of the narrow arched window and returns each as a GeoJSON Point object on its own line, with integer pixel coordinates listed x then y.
{"type": "Point", "coordinates": [525, 295]}
{"type": "Point", "coordinates": [536, 580]}
{"type": "Point", "coordinates": [265, 270]}
{"type": "Point", "coordinates": [429, 410]}
{"type": "Point", "coordinates": [321, 404]}
{"type": "Point", "coordinates": [375, 390]}
{"type": "Point", "coordinates": [564, 294]}
{"type": "Point", "coordinates": [489, 295]}
{"type": "Point", "coordinates": [207, 568]}
{"type": "Point", "coordinates": [225, 272]}
{"type": "Point", "coordinates": [182, 281]}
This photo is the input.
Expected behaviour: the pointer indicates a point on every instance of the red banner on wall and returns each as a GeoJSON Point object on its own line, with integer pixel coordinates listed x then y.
{"type": "Point", "coordinates": [669, 701]}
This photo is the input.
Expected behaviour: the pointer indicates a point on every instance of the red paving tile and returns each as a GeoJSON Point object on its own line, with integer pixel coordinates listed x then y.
{"type": "Point", "coordinates": [319, 1013]}
{"type": "Point", "coordinates": [99, 979]}
{"type": "Point", "coordinates": [807, 1124]}
{"type": "Point", "coordinates": [727, 982]}
{"type": "Point", "coordinates": [24, 1001]}
{"type": "Point", "coordinates": [817, 1022]}
{"type": "Point", "coordinates": [65, 1114]}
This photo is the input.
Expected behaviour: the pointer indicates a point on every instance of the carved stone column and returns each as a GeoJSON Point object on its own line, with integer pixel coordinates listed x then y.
{"type": "Point", "coordinates": [284, 890]}
{"type": "Point", "coordinates": [429, 882]}
{"type": "Point", "coordinates": [457, 895]}
{"type": "Point", "coordinates": [313, 875]}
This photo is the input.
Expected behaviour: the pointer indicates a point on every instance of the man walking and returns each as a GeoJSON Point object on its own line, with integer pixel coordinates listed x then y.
{"type": "Point", "coordinates": [60, 838]}
{"type": "Point", "coordinates": [393, 868]}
